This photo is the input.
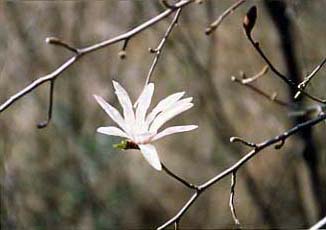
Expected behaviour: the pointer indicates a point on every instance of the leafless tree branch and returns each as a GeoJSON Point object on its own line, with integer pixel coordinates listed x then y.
{"type": "Point", "coordinates": [214, 25]}
{"type": "Point", "coordinates": [248, 83]}
{"type": "Point", "coordinates": [256, 149]}
{"type": "Point", "coordinates": [249, 23]}
{"type": "Point", "coordinates": [231, 201]}
{"type": "Point", "coordinates": [89, 49]}
{"type": "Point", "coordinates": [310, 76]}
{"type": "Point", "coordinates": [158, 50]}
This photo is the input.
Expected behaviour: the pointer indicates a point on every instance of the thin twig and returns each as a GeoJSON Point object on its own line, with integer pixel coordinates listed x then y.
{"type": "Point", "coordinates": [43, 124]}
{"type": "Point", "coordinates": [231, 201]}
{"type": "Point", "coordinates": [89, 49]}
{"type": "Point", "coordinates": [214, 25]}
{"type": "Point", "coordinates": [247, 82]}
{"type": "Point", "coordinates": [58, 42]}
{"type": "Point", "coordinates": [258, 75]}
{"type": "Point", "coordinates": [310, 76]}
{"type": "Point", "coordinates": [181, 212]}
{"type": "Point", "coordinates": [256, 45]}
{"type": "Point", "coordinates": [184, 182]}
{"type": "Point", "coordinates": [242, 141]}
{"type": "Point", "coordinates": [259, 147]}
{"type": "Point", "coordinates": [159, 48]}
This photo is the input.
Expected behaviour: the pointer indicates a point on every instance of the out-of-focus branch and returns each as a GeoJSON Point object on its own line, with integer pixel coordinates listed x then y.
{"type": "Point", "coordinates": [255, 150]}
{"type": "Point", "coordinates": [79, 52]}
{"type": "Point", "coordinates": [248, 25]}
{"type": "Point", "coordinates": [158, 50]}
{"type": "Point", "coordinates": [310, 76]}
{"type": "Point", "coordinates": [214, 25]}
{"type": "Point", "coordinates": [247, 82]}
{"type": "Point", "coordinates": [320, 224]}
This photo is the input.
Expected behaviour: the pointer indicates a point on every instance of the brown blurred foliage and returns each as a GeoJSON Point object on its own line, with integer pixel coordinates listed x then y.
{"type": "Point", "coordinates": [67, 175]}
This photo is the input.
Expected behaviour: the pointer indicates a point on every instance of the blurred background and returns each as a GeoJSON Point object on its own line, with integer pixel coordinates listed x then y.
{"type": "Point", "coordinates": [68, 176]}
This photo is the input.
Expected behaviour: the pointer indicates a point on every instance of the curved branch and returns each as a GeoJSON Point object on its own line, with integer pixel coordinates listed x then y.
{"type": "Point", "coordinates": [258, 148]}
{"type": "Point", "coordinates": [89, 49]}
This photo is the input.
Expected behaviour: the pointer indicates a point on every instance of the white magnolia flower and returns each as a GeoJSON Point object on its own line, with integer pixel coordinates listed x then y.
{"type": "Point", "coordinates": [139, 128]}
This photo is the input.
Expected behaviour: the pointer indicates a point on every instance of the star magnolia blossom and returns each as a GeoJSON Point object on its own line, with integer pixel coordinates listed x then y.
{"type": "Point", "coordinates": [139, 128]}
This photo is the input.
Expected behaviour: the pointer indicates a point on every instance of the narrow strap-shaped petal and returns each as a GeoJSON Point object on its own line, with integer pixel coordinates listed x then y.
{"type": "Point", "coordinates": [163, 105]}
{"type": "Point", "coordinates": [174, 129]}
{"type": "Point", "coordinates": [150, 154]}
{"type": "Point", "coordinates": [125, 102]}
{"type": "Point", "coordinates": [112, 112]}
{"type": "Point", "coordinates": [167, 115]}
{"type": "Point", "coordinates": [112, 131]}
{"type": "Point", "coordinates": [144, 102]}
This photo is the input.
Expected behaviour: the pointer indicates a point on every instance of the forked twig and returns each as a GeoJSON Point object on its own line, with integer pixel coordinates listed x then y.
{"type": "Point", "coordinates": [259, 147]}
{"type": "Point", "coordinates": [248, 25]}
{"type": "Point", "coordinates": [247, 82]}
{"type": "Point", "coordinates": [89, 49]}
{"type": "Point", "coordinates": [310, 76]}
{"type": "Point", "coordinates": [158, 50]}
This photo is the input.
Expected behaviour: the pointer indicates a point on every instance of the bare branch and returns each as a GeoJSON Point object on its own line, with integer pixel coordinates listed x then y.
{"type": "Point", "coordinates": [61, 43]}
{"type": "Point", "coordinates": [90, 49]}
{"type": "Point", "coordinates": [159, 48]}
{"type": "Point", "coordinates": [43, 124]}
{"type": "Point", "coordinates": [231, 202]}
{"type": "Point", "coordinates": [259, 147]}
{"type": "Point", "coordinates": [310, 76]}
{"type": "Point", "coordinates": [247, 82]}
{"type": "Point", "coordinates": [214, 25]}
{"type": "Point", "coordinates": [261, 73]}
{"type": "Point", "coordinates": [181, 212]}
{"type": "Point", "coordinates": [242, 141]}
{"type": "Point", "coordinates": [184, 182]}
{"type": "Point", "coordinates": [248, 26]}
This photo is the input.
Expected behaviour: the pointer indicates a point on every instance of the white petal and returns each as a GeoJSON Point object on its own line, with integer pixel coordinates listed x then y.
{"type": "Point", "coordinates": [174, 129]}
{"type": "Point", "coordinates": [150, 154]}
{"type": "Point", "coordinates": [112, 131]}
{"type": "Point", "coordinates": [184, 101]}
{"type": "Point", "coordinates": [111, 111]}
{"type": "Point", "coordinates": [167, 115]}
{"type": "Point", "coordinates": [125, 102]}
{"type": "Point", "coordinates": [163, 105]}
{"type": "Point", "coordinates": [143, 102]}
